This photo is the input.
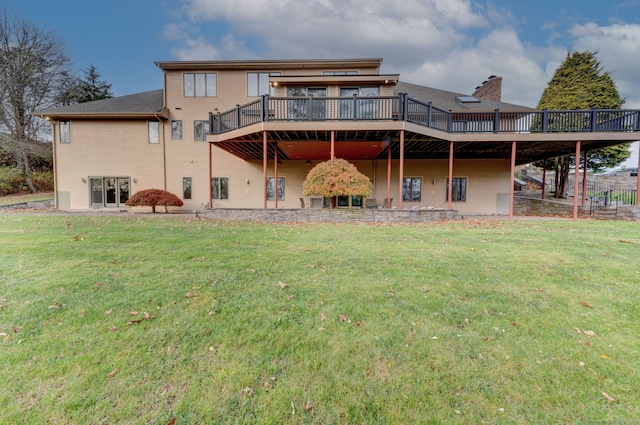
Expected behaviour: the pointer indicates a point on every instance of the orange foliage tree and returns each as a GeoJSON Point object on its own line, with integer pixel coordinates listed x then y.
{"type": "Point", "coordinates": [153, 197]}
{"type": "Point", "coordinates": [336, 177]}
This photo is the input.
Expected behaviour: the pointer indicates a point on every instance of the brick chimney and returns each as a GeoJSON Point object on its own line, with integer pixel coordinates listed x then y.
{"type": "Point", "coordinates": [490, 89]}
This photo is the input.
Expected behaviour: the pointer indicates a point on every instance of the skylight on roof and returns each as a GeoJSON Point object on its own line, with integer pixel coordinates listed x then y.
{"type": "Point", "coordinates": [468, 99]}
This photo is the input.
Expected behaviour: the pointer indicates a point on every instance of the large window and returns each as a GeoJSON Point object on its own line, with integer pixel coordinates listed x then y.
{"type": "Point", "coordinates": [176, 129]}
{"type": "Point", "coordinates": [186, 188]}
{"type": "Point", "coordinates": [200, 85]}
{"type": "Point", "coordinates": [258, 83]}
{"type": "Point", "coordinates": [65, 133]}
{"type": "Point", "coordinates": [412, 189]}
{"type": "Point", "coordinates": [309, 107]}
{"type": "Point", "coordinates": [359, 108]}
{"type": "Point", "coordinates": [220, 187]}
{"type": "Point", "coordinates": [458, 189]}
{"type": "Point", "coordinates": [154, 133]}
{"type": "Point", "coordinates": [271, 189]}
{"type": "Point", "coordinates": [200, 130]}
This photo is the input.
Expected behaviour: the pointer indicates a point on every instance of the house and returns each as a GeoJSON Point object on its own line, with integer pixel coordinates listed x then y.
{"type": "Point", "coordinates": [244, 134]}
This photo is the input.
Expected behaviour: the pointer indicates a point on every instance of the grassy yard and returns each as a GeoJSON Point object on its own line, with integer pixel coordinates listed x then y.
{"type": "Point", "coordinates": [147, 319]}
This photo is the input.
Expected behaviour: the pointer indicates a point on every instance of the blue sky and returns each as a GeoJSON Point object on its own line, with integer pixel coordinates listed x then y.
{"type": "Point", "coordinates": [447, 44]}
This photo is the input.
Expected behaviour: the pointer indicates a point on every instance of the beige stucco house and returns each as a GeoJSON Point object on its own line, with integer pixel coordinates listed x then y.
{"type": "Point", "coordinates": [244, 134]}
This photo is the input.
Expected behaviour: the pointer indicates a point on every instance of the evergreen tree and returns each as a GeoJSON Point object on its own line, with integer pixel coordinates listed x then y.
{"type": "Point", "coordinates": [580, 83]}
{"type": "Point", "coordinates": [86, 89]}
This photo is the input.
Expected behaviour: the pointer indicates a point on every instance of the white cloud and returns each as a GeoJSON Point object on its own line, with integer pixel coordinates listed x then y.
{"type": "Point", "coordinates": [617, 47]}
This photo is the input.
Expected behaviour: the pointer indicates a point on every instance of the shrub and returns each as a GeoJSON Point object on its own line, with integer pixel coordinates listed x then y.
{"type": "Point", "coordinates": [153, 197]}
{"type": "Point", "coordinates": [336, 177]}
{"type": "Point", "coordinates": [43, 181]}
{"type": "Point", "coordinates": [11, 181]}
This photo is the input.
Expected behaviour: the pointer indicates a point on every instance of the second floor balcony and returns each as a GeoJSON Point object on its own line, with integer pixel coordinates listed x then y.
{"type": "Point", "coordinates": [406, 109]}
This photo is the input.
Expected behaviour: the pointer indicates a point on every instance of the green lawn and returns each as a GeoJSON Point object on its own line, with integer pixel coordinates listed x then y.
{"type": "Point", "coordinates": [143, 319]}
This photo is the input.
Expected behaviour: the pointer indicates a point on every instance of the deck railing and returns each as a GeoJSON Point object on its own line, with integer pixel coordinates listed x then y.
{"type": "Point", "coordinates": [405, 108]}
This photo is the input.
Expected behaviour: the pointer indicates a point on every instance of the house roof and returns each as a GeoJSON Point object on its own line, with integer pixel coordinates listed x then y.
{"type": "Point", "coordinates": [449, 101]}
{"type": "Point", "coordinates": [140, 105]}
{"type": "Point", "coordinates": [324, 64]}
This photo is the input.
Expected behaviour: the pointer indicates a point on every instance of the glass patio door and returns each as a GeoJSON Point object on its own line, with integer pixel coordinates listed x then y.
{"type": "Point", "coordinates": [110, 192]}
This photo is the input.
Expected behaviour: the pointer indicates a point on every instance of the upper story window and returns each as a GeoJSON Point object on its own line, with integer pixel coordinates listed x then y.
{"type": "Point", "coordinates": [200, 85]}
{"type": "Point", "coordinates": [329, 73]}
{"type": "Point", "coordinates": [258, 83]}
{"type": "Point", "coordinates": [200, 130]}
{"type": "Point", "coordinates": [176, 129]}
{"type": "Point", "coordinates": [65, 133]}
{"type": "Point", "coordinates": [154, 133]}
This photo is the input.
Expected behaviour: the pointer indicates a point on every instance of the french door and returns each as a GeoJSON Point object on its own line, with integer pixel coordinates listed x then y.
{"type": "Point", "coordinates": [110, 192]}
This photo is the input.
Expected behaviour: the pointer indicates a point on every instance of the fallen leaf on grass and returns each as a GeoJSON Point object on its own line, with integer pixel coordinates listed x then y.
{"type": "Point", "coordinates": [113, 328]}
{"type": "Point", "coordinates": [625, 241]}
{"type": "Point", "coordinates": [283, 285]}
{"type": "Point", "coordinates": [133, 313]}
{"type": "Point", "coordinates": [172, 421]}
{"type": "Point", "coordinates": [247, 390]}
{"type": "Point", "coordinates": [323, 317]}
{"type": "Point", "coordinates": [586, 304]}
{"type": "Point", "coordinates": [113, 373]}
{"type": "Point", "coordinates": [308, 406]}
{"type": "Point", "coordinates": [589, 333]}
{"type": "Point", "coordinates": [604, 356]}
{"type": "Point", "coordinates": [343, 318]}
{"type": "Point", "coordinates": [540, 290]}
{"type": "Point", "coordinates": [189, 295]}
{"type": "Point", "coordinates": [56, 305]}
{"type": "Point", "coordinates": [147, 316]}
{"type": "Point", "coordinates": [83, 312]}
{"type": "Point", "coordinates": [608, 397]}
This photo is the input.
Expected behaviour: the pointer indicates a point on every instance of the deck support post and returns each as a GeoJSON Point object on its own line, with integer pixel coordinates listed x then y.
{"type": "Point", "coordinates": [576, 181]}
{"type": "Point", "coordinates": [210, 177]}
{"type": "Point", "coordinates": [400, 171]}
{"type": "Point", "coordinates": [333, 144]}
{"type": "Point", "coordinates": [264, 168]}
{"type": "Point", "coordinates": [450, 178]}
{"type": "Point", "coordinates": [388, 174]}
{"type": "Point", "coordinates": [513, 176]}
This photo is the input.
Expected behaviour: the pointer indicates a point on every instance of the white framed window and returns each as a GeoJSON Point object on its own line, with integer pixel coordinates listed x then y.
{"type": "Point", "coordinates": [271, 189]}
{"type": "Point", "coordinates": [154, 132]}
{"type": "Point", "coordinates": [200, 84]}
{"type": "Point", "coordinates": [258, 83]}
{"type": "Point", "coordinates": [64, 128]}
{"type": "Point", "coordinates": [200, 130]}
{"type": "Point", "coordinates": [176, 129]}
{"type": "Point", "coordinates": [220, 187]}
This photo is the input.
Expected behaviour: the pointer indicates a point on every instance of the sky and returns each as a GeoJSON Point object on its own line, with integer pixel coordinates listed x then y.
{"type": "Point", "coordinates": [447, 44]}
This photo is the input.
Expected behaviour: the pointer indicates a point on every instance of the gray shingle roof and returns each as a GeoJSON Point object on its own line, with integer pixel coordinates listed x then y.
{"type": "Point", "coordinates": [447, 100]}
{"type": "Point", "coordinates": [139, 103]}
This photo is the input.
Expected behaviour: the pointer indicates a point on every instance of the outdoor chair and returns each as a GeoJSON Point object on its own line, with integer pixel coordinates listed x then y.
{"type": "Point", "coordinates": [387, 203]}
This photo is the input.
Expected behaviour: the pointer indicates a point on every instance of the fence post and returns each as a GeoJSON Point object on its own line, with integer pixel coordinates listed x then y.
{"type": "Point", "coordinates": [219, 123]}
{"type": "Point", "coordinates": [594, 119]}
{"type": "Point", "coordinates": [449, 120]}
{"type": "Point", "coordinates": [400, 107]}
{"type": "Point", "coordinates": [496, 121]}
{"type": "Point", "coordinates": [545, 120]}
{"type": "Point", "coordinates": [265, 107]}
{"type": "Point", "coordinates": [237, 116]}
{"type": "Point", "coordinates": [211, 123]}
{"type": "Point", "coordinates": [429, 113]}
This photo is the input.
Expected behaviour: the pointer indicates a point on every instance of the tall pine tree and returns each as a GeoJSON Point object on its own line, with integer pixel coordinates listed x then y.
{"type": "Point", "coordinates": [581, 83]}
